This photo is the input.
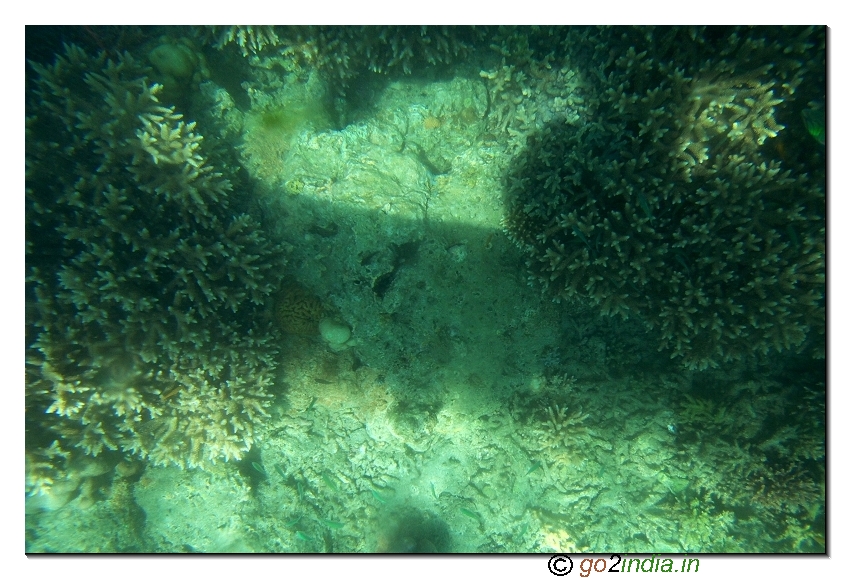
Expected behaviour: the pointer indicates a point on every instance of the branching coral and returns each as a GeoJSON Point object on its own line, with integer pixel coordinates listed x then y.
{"type": "Point", "coordinates": [526, 90]}
{"type": "Point", "coordinates": [672, 203]}
{"type": "Point", "coordinates": [146, 291]}
{"type": "Point", "coordinates": [249, 39]}
{"type": "Point", "coordinates": [759, 457]}
{"type": "Point", "coordinates": [562, 425]}
{"type": "Point", "coordinates": [345, 55]}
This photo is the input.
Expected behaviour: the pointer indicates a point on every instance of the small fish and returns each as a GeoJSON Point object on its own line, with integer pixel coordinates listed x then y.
{"type": "Point", "coordinates": [430, 167]}
{"type": "Point", "coordinates": [792, 234]}
{"type": "Point", "coordinates": [331, 524]}
{"type": "Point", "coordinates": [672, 429]}
{"type": "Point", "coordinates": [259, 468]}
{"type": "Point", "coordinates": [682, 262]}
{"type": "Point", "coordinates": [582, 236]}
{"type": "Point", "coordinates": [644, 205]}
{"type": "Point", "coordinates": [303, 537]}
{"type": "Point", "coordinates": [814, 118]}
{"type": "Point", "coordinates": [329, 482]}
{"type": "Point", "coordinates": [534, 466]}
{"type": "Point", "coordinates": [469, 514]}
{"type": "Point", "coordinates": [378, 497]}
{"type": "Point", "coordinates": [434, 491]}
{"type": "Point", "coordinates": [279, 470]}
{"type": "Point", "coordinates": [293, 522]}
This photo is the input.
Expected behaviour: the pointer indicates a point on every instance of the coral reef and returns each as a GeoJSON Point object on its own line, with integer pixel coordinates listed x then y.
{"type": "Point", "coordinates": [346, 55]}
{"type": "Point", "coordinates": [394, 385]}
{"type": "Point", "coordinates": [757, 457]}
{"type": "Point", "coordinates": [249, 39]}
{"type": "Point", "coordinates": [685, 198]}
{"type": "Point", "coordinates": [529, 88]}
{"type": "Point", "coordinates": [146, 285]}
{"type": "Point", "coordinates": [347, 51]}
{"type": "Point", "coordinates": [561, 426]}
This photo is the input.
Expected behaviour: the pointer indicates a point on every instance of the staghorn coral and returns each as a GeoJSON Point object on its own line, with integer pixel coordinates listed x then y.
{"type": "Point", "coordinates": [561, 425]}
{"type": "Point", "coordinates": [347, 51]}
{"type": "Point", "coordinates": [347, 55]}
{"type": "Point", "coordinates": [757, 452]}
{"type": "Point", "coordinates": [527, 89]}
{"type": "Point", "coordinates": [672, 203]}
{"type": "Point", "coordinates": [249, 39]}
{"type": "Point", "coordinates": [781, 501]}
{"type": "Point", "coordinates": [145, 284]}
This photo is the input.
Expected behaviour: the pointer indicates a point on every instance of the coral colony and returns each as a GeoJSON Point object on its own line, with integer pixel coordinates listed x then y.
{"type": "Point", "coordinates": [425, 289]}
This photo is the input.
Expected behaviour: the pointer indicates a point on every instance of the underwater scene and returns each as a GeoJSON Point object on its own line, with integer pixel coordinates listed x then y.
{"type": "Point", "coordinates": [409, 289]}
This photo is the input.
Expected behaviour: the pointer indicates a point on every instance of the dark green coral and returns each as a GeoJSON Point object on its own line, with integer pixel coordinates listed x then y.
{"type": "Point", "coordinates": [673, 202]}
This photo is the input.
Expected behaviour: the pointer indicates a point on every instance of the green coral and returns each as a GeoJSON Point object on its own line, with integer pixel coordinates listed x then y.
{"type": "Point", "coordinates": [146, 284]}
{"type": "Point", "coordinates": [673, 202]}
